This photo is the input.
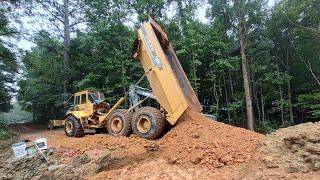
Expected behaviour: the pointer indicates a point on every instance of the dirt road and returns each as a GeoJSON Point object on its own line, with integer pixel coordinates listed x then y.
{"type": "Point", "coordinates": [197, 148]}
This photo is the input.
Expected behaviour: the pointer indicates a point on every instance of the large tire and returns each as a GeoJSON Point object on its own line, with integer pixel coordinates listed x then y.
{"type": "Point", "coordinates": [119, 123]}
{"type": "Point", "coordinates": [148, 123]}
{"type": "Point", "coordinates": [73, 127]}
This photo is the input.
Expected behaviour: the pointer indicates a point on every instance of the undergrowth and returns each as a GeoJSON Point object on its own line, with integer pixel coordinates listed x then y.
{"type": "Point", "coordinates": [4, 133]}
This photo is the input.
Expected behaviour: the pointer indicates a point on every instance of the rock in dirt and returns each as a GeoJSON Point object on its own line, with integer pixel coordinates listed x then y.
{"type": "Point", "coordinates": [270, 162]}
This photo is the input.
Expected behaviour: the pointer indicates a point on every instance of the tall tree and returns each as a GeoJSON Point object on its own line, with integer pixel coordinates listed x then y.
{"type": "Point", "coordinates": [40, 90]}
{"type": "Point", "coordinates": [65, 17]}
{"type": "Point", "coordinates": [8, 60]}
{"type": "Point", "coordinates": [239, 5]}
{"type": "Point", "coordinates": [145, 8]}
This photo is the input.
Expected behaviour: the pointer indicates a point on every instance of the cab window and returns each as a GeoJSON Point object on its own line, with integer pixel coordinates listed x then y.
{"type": "Point", "coordinates": [102, 97]}
{"type": "Point", "coordinates": [83, 98]}
{"type": "Point", "coordinates": [90, 98]}
{"type": "Point", "coordinates": [77, 100]}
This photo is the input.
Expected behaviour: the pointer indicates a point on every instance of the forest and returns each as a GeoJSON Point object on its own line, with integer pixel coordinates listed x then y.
{"type": "Point", "coordinates": [252, 63]}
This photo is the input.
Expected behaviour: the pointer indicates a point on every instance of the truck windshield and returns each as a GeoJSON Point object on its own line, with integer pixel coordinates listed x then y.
{"type": "Point", "coordinates": [102, 96]}
{"type": "Point", "coordinates": [94, 96]}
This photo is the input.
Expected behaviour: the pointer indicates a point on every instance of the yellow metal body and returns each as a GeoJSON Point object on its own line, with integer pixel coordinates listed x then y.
{"type": "Point", "coordinates": [86, 111]}
{"type": "Point", "coordinates": [103, 119]}
{"type": "Point", "coordinates": [81, 110]}
{"type": "Point", "coordinates": [167, 79]}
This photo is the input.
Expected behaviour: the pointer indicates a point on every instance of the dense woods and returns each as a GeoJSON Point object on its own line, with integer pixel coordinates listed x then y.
{"type": "Point", "coordinates": [252, 64]}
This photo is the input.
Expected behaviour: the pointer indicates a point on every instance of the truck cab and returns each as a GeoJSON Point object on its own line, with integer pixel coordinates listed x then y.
{"type": "Point", "coordinates": [86, 108]}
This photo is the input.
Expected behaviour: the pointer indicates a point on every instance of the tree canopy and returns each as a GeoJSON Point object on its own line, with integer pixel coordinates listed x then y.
{"type": "Point", "coordinates": [280, 44]}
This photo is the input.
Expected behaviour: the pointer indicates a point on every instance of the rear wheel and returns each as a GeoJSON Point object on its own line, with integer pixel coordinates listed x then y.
{"type": "Point", "coordinates": [119, 123]}
{"type": "Point", "coordinates": [148, 123]}
{"type": "Point", "coordinates": [73, 127]}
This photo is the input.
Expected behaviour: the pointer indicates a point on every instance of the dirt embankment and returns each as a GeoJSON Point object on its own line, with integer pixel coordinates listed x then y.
{"type": "Point", "coordinates": [289, 153]}
{"type": "Point", "coordinates": [196, 144]}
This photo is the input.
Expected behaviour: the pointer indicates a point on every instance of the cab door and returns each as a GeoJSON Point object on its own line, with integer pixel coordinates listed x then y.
{"type": "Point", "coordinates": [77, 103]}
{"type": "Point", "coordinates": [85, 105]}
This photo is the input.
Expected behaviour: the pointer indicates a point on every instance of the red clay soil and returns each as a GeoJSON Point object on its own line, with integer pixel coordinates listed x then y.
{"type": "Point", "coordinates": [196, 144]}
{"type": "Point", "coordinates": [197, 140]}
{"type": "Point", "coordinates": [194, 141]}
{"type": "Point", "coordinates": [196, 148]}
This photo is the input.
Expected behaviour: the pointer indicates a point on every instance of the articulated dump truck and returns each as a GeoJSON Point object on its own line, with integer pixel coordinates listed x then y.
{"type": "Point", "coordinates": [171, 90]}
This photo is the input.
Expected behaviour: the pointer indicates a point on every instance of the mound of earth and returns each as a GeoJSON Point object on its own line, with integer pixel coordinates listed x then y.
{"type": "Point", "coordinates": [25, 168]}
{"type": "Point", "coordinates": [288, 153]}
{"type": "Point", "coordinates": [197, 140]}
{"type": "Point", "coordinates": [295, 149]}
{"type": "Point", "coordinates": [194, 148]}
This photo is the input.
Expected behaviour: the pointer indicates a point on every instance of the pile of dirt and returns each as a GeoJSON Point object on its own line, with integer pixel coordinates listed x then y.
{"type": "Point", "coordinates": [288, 153]}
{"type": "Point", "coordinates": [294, 149]}
{"type": "Point", "coordinates": [194, 141]}
{"type": "Point", "coordinates": [195, 144]}
{"type": "Point", "coordinates": [197, 140]}
{"type": "Point", "coordinates": [197, 147]}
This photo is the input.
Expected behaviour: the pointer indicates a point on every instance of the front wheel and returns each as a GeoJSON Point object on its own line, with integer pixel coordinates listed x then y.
{"type": "Point", "coordinates": [73, 127]}
{"type": "Point", "coordinates": [119, 123]}
{"type": "Point", "coordinates": [148, 123]}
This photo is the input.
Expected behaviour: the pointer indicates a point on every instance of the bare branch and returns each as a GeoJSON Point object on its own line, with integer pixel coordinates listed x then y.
{"type": "Point", "coordinates": [50, 11]}
{"type": "Point", "coordinates": [77, 22]}
{"type": "Point", "coordinates": [306, 63]}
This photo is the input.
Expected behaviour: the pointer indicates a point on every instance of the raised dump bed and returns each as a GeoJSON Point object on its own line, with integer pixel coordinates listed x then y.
{"type": "Point", "coordinates": [167, 79]}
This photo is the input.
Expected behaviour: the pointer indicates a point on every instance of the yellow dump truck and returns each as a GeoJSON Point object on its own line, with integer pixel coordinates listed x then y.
{"type": "Point", "coordinates": [170, 86]}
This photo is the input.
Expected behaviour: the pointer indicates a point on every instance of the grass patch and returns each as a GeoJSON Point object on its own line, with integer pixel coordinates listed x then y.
{"type": "Point", "coordinates": [4, 133]}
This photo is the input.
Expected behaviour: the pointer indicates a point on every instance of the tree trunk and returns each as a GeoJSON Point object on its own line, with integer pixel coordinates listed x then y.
{"type": "Point", "coordinates": [281, 105]}
{"type": "Point", "coordinates": [245, 71]}
{"type": "Point", "coordinates": [262, 106]}
{"type": "Point", "coordinates": [33, 114]}
{"type": "Point", "coordinates": [66, 44]}
{"type": "Point", "coordinates": [281, 98]}
{"type": "Point", "coordinates": [290, 101]}
{"type": "Point", "coordinates": [289, 89]}
{"type": "Point", "coordinates": [256, 100]}
{"type": "Point", "coordinates": [216, 97]}
{"type": "Point", "coordinates": [181, 15]}
{"type": "Point", "coordinates": [231, 86]}
{"type": "Point", "coordinates": [226, 98]}
{"type": "Point", "coordinates": [194, 70]}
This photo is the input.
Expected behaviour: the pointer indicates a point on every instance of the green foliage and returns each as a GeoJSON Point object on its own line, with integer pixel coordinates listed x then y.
{"type": "Point", "coordinates": [16, 115]}
{"type": "Point", "coordinates": [8, 63]}
{"type": "Point", "coordinates": [266, 127]}
{"type": "Point", "coordinates": [4, 133]}
{"type": "Point", "coordinates": [41, 91]}
{"type": "Point", "coordinates": [282, 46]}
{"type": "Point", "coordinates": [309, 104]}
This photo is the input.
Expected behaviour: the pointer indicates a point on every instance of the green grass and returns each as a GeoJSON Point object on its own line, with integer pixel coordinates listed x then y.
{"type": "Point", "coordinates": [4, 133]}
